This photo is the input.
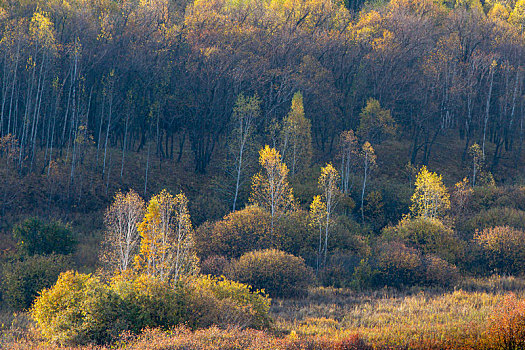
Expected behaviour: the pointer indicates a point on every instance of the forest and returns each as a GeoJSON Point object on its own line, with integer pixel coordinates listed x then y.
{"type": "Point", "coordinates": [262, 174]}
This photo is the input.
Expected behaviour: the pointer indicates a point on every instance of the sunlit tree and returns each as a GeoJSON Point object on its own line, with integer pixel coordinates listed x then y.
{"type": "Point", "coordinates": [430, 198]}
{"type": "Point", "coordinates": [122, 237]}
{"type": "Point", "coordinates": [167, 248]}
{"type": "Point", "coordinates": [270, 188]}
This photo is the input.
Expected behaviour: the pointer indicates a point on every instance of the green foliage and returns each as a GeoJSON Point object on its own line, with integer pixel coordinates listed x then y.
{"type": "Point", "coordinates": [430, 236]}
{"type": "Point", "coordinates": [209, 300]}
{"type": "Point", "coordinates": [239, 232]}
{"type": "Point", "coordinates": [503, 248]}
{"type": "Point", "coordinates": [375, 123]}
{"type": "Point", "coordinates": [279, 274]}
{"type": "Point", "coordinates": [491, 218]}
{"type": "Point", "coordinates": [37, 237]}
{"type": "Point", "coordinates": [22, 280]}
{"type": "Point", "coordinates": [79, 309]}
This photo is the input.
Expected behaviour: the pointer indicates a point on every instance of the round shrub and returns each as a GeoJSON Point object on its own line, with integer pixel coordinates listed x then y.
{"type": "Point", "coordinates": [430, 236]}
{"type": "Point", "coordinates": [239, 232]}
{"type": "Point", "coordinates": [279, 274]}
{"type": "Point", "coordinates": [398, 265]}
{"type": "Point", "coordinates": [503, 248]}
{"type": "Point", "coordinates": [22, 280]}
{"type": "Point", "coordinates": [147, 302]}
{"type": "Point", "coordinates": [439, 272]}
{"type": "Point", "coordinates": [79, 309]}
{"type": "Point", "coordinates": [491, 218]}
{"type": "Point", "coordinates": [208, 301]}
{"type": "Point", "coordinates": [37, 237]}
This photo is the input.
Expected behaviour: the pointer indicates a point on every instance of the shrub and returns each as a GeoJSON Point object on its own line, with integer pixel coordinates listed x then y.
{"type": "Point", "coordinates": [503, 248]}
{"type": "Point", "coordinates": [491, 218]}
{"type": "Point", "coordinates": [22, 280]}
{"type": "Point", "coordinates": [430, 236]}
{"type": "Point", "coordinates": [439, 272]}
{"type": "Point", "coordinates": [37, 237]}
{"type": "Point", "coordinates": [217, 301]}
{"type": "Point", "coordinates": [278, 273]}
{"type": "Point", "coordinates": [506, 329]}
{"type": "Point", "coordinates": [77, 310]}
{"type": "Point", "coordinates": [81, 309]}
{"type": "Point", "coordinates": [237, 233]}
{"type": "Point", "coordinates": [147, 302]}
{"type": "Point", "coordinates": [398, 265]}
{"type": "Point", "coordinates": [215, 265]}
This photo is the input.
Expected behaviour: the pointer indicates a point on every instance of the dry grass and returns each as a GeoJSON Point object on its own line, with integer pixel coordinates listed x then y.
{"type": "Point", "coordinates": [336, 319]}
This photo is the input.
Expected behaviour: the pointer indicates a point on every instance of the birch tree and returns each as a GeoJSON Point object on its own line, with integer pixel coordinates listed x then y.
{"type": "Point", "coordinates": [122, 237]}
{"type": "Point", "coordinates": [368, 157]}
{"type": "Point", "coordinates": [323, 207]}
{"type": "Point", "coordinates": [430, 198]}
{"type": "Point", "coordinates": [348, 153]}
{"type": "Point", "coordinates": [167, 248]}
{"type": "Point", "coordinates": [245, 114]}
{"type": "Point", "coordinates": [270, 188]}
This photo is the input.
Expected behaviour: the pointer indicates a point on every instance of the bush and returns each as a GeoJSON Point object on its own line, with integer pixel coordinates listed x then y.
{"type": "Point", "coordinates": [278, 273]}
{"type": "Point", "coordinates": [491, 218]}
{"type": "Point", "coordinates": [506, 329]}
{"type": "Point", "coordinates": [81, 309]}
{"type": "Point", "coordinates": [239, 232]}
{"type": "Point", "coordinates": [439, 272]}
{"type": "Point", "coordinates": [215, 266]}
{"type": "Point", "coordinates": [77, 310]}
{"type": "Point", "coordinates": [217, 301]}
{"type": "Point", "coordinates": [503, 248]}
{"type": "Point", "coordinates": [398, 265]}
{"type": "Point", "coordinates": [147, 302]}
{"type": "Point", "coordinates": [429, 236]}
{"type": "Point", "coordinates": [37, 237]}
{"type": "Point", "coordinates": [22, 280]}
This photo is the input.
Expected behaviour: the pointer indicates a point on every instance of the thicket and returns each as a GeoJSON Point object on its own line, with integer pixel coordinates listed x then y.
{"type": "Point", "coordinates": [277, 273]}
{"type": "Point", "coordinates": [82, 309]}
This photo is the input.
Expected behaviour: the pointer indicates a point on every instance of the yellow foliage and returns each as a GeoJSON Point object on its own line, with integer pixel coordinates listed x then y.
{"type": "Point", "coordinates": [430, 198]}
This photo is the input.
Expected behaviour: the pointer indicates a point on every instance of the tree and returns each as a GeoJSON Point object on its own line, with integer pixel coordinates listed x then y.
{"type": "Point", "coordinates": [167, 249]}
{"type": "Point", "coordinates": [375, 122]}
{"type": "Point", "coordinates": [477, 161]}
{"type": "Point", "coordinates": [245, 115]}
{"type": "Point", "coordinates": [323, 206]}
{"type": "Point", "coordinates": [297, 137]}
{"type": "Point", "coordinates": [122, 237]}
{"type": "Point", "coordinates": [430, 198]}
{"type": "Point", "coordinates": [348, 151]}
{"type": "Point", "coordinates": [270, 188]}
{"type": "Point", "coordinates": [368, 157]}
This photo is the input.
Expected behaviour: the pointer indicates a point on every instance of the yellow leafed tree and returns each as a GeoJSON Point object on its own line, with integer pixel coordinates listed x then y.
{"type": "Point", "coordinates": [297, 136]}
{"type": "Point", "coordinates": [430, 198]}
{"type": "Point", "coordinates": [167, 248]}
{"type": "Point", "coordinates": [270, 188]}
